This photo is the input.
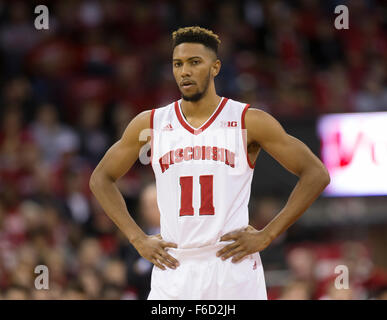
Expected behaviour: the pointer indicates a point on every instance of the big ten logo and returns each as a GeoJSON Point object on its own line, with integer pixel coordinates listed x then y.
{"type": "Point", "coordinates": [42, 20]}
{"type": "Point", "coordinates": [342, 280]}
{"type": "Point", "coordinates": [229, 124]}
{"type": "Point", "coordinates": [342, 20]}
{"type": "Point", "coordinates": [42, 280]}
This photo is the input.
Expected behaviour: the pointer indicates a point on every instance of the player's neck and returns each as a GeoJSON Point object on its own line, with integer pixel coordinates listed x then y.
{"type": "Point", "coordinates": [201, 108]}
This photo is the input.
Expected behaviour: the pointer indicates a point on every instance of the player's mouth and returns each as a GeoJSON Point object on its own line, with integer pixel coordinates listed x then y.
{"type": "Point", "coordinates": [186, 84]}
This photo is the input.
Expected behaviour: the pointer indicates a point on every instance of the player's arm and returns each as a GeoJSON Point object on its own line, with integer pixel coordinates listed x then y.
{"type": "Point", "coordinates": [115, 163]}
{"type": "Point", "coordinates": [297, 158]}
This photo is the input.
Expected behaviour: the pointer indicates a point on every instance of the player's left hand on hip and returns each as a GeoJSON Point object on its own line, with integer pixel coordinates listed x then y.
{"type": "Point", "coordinates": [247, 241]}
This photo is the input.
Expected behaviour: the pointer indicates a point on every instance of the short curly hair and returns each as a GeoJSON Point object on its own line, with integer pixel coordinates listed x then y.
{"type": "Point", "coordinates": [197, 35]}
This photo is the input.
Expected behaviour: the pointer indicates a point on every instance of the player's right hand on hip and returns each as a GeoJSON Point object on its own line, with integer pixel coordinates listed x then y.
{"type": "Point", "coordinates": [153, 248]}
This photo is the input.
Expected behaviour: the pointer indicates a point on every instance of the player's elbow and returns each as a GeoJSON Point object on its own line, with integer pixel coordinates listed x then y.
{"type": "Point", "coordinates": [317, 173]}
{"type": "Point", "coordinates": [325, 177]}
{"type": "Point", "coordinates": [322, 175]}
{"type": "Point", "coordinates": [93, 181]}
{"type": "Point", "coordinates": [96, 180]}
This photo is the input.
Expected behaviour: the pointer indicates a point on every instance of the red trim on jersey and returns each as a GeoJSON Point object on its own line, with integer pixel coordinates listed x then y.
{"type": "Point", "coordinates": [151, 127]}
{"type": "Point", "coordinates": [194, 131]}
{"type": "Point", "coordinates": [244, 137]}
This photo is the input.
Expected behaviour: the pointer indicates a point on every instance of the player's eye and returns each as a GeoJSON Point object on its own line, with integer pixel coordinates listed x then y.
{"type": "Point", "coordinates": [194, 62]}
{"type": "Point", "coordinates": [177, 64]}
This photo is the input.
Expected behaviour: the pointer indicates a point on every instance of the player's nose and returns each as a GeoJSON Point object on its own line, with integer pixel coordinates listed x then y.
{"type": "Point", "coordinates": [186, 71]}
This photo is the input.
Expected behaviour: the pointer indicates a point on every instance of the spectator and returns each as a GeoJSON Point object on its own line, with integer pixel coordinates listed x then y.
{"type": "Point", "coordinates": [334, 293]}
{"type": "Point", "coordinates": [296, 290]}
{"type": "Point", "coordinates": [91, 283]}
{"type": "Point", "coordinates": [51, 135]}
{"type": "Point", "coordinates": [93, 140]}
{"type": "Point", "coordinates": [17, 293]}
{"type": "Point", "coordinates": [140, 269]}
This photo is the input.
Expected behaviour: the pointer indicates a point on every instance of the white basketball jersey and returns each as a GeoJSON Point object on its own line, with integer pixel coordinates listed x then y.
{"type": "Point", "coordinates": [203, 175]}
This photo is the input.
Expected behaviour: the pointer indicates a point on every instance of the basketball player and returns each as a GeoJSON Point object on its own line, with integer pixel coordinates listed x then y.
{"type": "Point", "coordinates": [203, 151]}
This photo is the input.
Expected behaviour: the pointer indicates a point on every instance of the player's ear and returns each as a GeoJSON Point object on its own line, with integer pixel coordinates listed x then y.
{"type": "Point", "coordinates": [216, 68]}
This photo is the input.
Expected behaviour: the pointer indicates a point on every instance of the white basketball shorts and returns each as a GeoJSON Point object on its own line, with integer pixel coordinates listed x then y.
{"type": "Point", "coordinates": [204, 276]}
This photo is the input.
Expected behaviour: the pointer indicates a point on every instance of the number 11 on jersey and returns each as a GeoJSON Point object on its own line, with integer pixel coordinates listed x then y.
{"type": "Point", "coordinates": [206, 195]}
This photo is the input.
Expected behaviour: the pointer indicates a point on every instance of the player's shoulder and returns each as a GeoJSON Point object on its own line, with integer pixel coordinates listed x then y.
{"type": "Point", "coordinates": [250, 111]}
{"type": "Point", "coordinates": [254, 116]}
{"type": "Point", "coordinates": [235, 104]}
{"type": "Point", "coordinates": [244, 106]}
{"type": "Point", "coordinates": [142, 120]}
{"type": "Point", "coordinates": [255, 113]}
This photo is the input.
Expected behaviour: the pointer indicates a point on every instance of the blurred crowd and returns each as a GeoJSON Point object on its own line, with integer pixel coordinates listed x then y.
{"type": "Point", "coordinates": [67, 94]}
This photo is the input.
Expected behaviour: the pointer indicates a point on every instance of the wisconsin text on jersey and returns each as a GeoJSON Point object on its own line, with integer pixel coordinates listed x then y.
{"type": "Point", "coordinates": [197, 153]}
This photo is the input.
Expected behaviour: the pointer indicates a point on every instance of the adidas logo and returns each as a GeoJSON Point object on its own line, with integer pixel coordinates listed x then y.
{"type": "Point", "coordinates": [168, 127]}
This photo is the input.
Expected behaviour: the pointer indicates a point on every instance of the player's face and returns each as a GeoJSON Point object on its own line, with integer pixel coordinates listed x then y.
{"type": "Point", "coordinates": [194, 66]}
